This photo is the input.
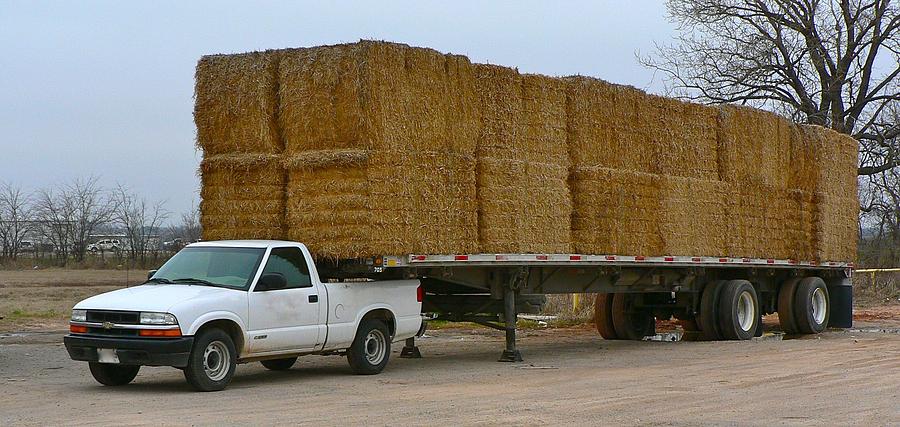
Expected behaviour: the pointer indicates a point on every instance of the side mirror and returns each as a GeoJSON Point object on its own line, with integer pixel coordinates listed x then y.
{"type": "Point", "coordinates": [271, 282]}
{"type": "Point", "coordinates": [151, 273]}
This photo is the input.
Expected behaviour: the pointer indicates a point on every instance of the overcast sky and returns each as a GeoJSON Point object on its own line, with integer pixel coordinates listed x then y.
{"type": "Point", "coordinates": [106, 88]}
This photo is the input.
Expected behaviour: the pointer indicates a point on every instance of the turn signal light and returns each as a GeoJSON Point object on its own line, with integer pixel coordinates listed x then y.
{"type": "Point", "coordinates": [165, 333]}
{"type": "Point", "coordinates": [78, 329]}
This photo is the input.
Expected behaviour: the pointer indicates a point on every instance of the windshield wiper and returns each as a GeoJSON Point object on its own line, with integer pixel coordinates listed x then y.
{"type": "Point", "coordinates": [198, 281]}
{"type": "Point", "coordinates": [160, 280]}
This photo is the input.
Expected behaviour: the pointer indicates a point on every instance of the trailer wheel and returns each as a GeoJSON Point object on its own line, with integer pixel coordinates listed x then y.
{"type": "Point", "coordinates": [371, 349]}
{"type": "Point", "coordinates": [603, 316]}
{"type": "Point", "coordinates": [811, 305]}
{"type": "Point", "coordinates": [112, 374]}
{"type": "Point", "coordinates": [212, 361]}
{"type": "Point", "coordinates": [279, 364]}
{"type": "Point", "coordinates": [630, 322]}
{"type": "Point", "coordinates": [786, 315]}
{"type": "Point", "coordinates": [709, 311]}
{"type": "Point", "coordinates": [738, 310]}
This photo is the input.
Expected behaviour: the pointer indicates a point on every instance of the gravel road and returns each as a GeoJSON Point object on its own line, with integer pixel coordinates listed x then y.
{"type": "Point", "coordinates": [570, 376]}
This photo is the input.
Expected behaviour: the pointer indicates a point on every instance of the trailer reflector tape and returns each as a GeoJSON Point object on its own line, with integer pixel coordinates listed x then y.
{"type": "Point", "coordinates": [792, 261]}
{"type": "Point", "coordinates": [639, 258]}
{"type": "Point", "coordinates": [541, 257]}
{"type": "Point", "coordinates": [574, 257]}
{"type": "Point", "coordinates": [461, 258]}
{"type": "Point", "coordinates": [770, 261]}
{"type": "Point", "coordinates": [418, 257]}
{"type": "Point", "coordinates": [501, 257]}
{"type": "Point", "coordinates": [610, 257]}
{"type": "Point", "coordinates": [668, 258]}
{"type": "Point", "coordinates": [745, 260]}
{"type": "Point", "coordinates": [723, 259]}
{"type": "Point", "coordinates": [696, 259]}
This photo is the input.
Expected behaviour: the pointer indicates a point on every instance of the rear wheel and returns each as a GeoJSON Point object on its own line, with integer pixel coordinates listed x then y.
{"type": "Point", "coordinates": [371, 349]}
{"type": "Point", "coordinates": [603, 316]}
{"type": "Point", "coordinates": [811, 306]}
{"type": "Point", "coordinates": [212, 361]}
{"type": "Point", "coordinates": [630, 322]}
{"type": "Point", "coordinates": [112, 374]}
{"type": "Point", "coordinates": [279, 364]}
{"type": "Point", "coordinates": [786, 315]}
{"type": "Point", "coordinates": [738, 310]}
{"type": "Point", "coordinates": [709, 311]}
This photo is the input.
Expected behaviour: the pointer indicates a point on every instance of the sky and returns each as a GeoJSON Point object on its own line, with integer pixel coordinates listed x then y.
{"type": "Point", "coordinates": [105, 89]}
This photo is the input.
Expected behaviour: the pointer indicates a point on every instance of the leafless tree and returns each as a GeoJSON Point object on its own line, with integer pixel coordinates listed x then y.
{"type": "Point", "coordinates": [55, 212]}
{"type": "Point", "coordinates": [141, 222]}
{"type": "Point", "coordinates": [188, 230]}
{"type": "Point", "coordinates": [72, 213]}
{"type": "Point", "coordinates": [15, 219]}
{"type": "Point", "coordinates": [827, 62]}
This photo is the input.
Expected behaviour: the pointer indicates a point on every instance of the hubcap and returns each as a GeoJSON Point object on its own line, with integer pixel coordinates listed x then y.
{"type": "Point", "coordinates": [216, 360]}
{"type": "Point", "coordinates": [819, 306]}
{"type": "Point", "coordinates": [375, 347]}
{"type": "Point", "coordinates": [746, 311]}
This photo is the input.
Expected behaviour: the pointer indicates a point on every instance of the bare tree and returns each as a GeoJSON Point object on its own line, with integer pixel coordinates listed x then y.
{"type": "Point", "coordinates": [54, 212]}
{"type": "Point", "coordinates": [141, 222]}
{"type": "Point", "coordinates": [827, 62]}
{"type": "Point", "coordinates": [91, 208]}
{"type": "Point", "coordinates": [15, 219]}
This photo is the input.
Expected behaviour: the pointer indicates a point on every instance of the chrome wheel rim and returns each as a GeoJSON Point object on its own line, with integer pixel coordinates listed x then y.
{"type": "Point", "coordinates": [819, 306]}
{"type": "Point", "coordinates": [216, 360]}
{"type": "Point", "coordinates": [746, 311]}
{"type": "Point", "coordinates": [376, 345]}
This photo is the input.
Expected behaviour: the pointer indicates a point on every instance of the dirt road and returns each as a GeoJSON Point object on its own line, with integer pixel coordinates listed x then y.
{"type": "Point", "coordinates": [570, 376]}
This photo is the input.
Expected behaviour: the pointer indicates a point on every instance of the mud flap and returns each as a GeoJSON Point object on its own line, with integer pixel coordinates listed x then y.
{"type": "Point", "coordinates": [840, 296]}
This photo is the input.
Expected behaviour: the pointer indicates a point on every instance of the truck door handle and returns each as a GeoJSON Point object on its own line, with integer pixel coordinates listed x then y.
{"type": "Point", "coordinates": [313, 298]}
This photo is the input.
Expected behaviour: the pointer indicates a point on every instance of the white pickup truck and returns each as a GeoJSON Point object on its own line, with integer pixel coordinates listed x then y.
{"type": "Point", "coordinates": [216, 304]}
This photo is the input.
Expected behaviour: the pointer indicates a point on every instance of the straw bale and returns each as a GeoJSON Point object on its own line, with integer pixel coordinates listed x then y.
{"type": "Point", "coordinates": [235, 103]}
{"type": "Point", "coordinates": [617, 212]}
{"type": "Point", "coordinates": [824, 161]}
{"type": "Point", "coordinates": [758, 222]}
{"type": "Point", "coordinates": [837, 227]}
{"type": "Point", "coordinates": [376, 95]}
{"type": "Point", "coordinates": [755, 147]}
{"type": "Point", "coordinates": [801, 223]}
{"type": "Point", "coordinates": [694, 219]}
{"type": "Point", "coordinates": [624, 128]}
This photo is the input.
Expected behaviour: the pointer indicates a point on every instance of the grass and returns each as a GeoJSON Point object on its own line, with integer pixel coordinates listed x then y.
{"type": "Point", "coordinates": [25, 314]}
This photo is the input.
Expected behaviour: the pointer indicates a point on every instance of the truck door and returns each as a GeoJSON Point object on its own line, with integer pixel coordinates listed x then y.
{"type": "Point", "coordinates": [285, 319]}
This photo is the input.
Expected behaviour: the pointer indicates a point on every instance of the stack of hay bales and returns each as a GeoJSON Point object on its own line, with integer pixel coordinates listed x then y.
{"type": "Point", "coordinates": [242, 191]}
{"type": "Point", "coordinates": [636, 160]}
{"type": "Point", "coordinates": [379, 147]}
{"type": "Point", "coordinates": [522, 163]}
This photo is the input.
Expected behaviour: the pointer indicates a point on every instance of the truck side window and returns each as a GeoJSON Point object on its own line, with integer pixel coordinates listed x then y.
{"type": "Point", "coordinates": [289, 262]}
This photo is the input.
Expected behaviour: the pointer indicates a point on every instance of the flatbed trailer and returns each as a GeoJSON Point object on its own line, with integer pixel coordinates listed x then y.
{"type": "Point", "coordinates": [714, 297]}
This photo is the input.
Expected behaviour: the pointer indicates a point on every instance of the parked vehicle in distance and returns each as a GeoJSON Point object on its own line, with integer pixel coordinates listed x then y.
{"type": "Point", "coordinates": [105, 245]}
{"type": "Point", "coordinates": [173, 245]}
{"type": "Point", "coordinates": [26, 246]}
{"type": "Point", "coordinates": [216, 304]}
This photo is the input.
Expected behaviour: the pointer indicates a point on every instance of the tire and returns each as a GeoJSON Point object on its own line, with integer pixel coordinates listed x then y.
{"type": "Point", "coordinates": [279, 364]}
{"type": "Point", "coordinates": [371, 348]}
{"type": "Point", "coordinates": [812, 307]}
{"type": "Point", "coordinates": [786, 315]}
{"type": "Point", "coordinates": [709, 311]}
{"type": "Point", "coordinates": [112, 374]}
{"type": "Point", "coordinates": [603, 316]}
{"type": "Point", "coordinates": [212, 361]}
{"type": "Point", "coordinates": [738, 310]}
{"type": "Point", "coordinates": [630, 323]}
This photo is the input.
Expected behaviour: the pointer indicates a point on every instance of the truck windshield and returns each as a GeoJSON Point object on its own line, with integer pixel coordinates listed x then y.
{"type": "Point", "coordinates": [210, 266]}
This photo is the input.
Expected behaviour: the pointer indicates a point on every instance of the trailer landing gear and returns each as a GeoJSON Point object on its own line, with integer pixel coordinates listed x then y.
{"type": "Point", "coordinates": [410, 350]}
{"type": "Point", "coordinates": [511, 353]}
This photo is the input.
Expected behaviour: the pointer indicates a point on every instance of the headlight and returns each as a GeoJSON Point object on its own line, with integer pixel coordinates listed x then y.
{"type": "Point", "coordinates": [158, 319]}
{"type": "Point", "coordinates": [79, 315]}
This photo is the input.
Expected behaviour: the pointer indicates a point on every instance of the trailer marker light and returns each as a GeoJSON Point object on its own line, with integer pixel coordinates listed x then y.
{"type": "Point", "coordinates": [78, 329]}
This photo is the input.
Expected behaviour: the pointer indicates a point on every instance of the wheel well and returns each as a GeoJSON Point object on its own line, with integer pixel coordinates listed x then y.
{"type": "Point", "coordinates": [384, 315]}
{"type": "Point", "coordinates": [230, 327]}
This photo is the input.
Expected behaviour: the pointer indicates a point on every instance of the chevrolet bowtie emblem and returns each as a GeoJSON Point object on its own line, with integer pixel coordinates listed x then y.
{"type": "Point", "coordinates": [107, 325]}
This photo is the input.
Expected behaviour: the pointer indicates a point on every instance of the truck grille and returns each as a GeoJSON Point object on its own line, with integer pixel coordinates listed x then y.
{"type": "Point", "coordinates": [120, 317]}
{"type": "Point", "coordinates": [113, 332]}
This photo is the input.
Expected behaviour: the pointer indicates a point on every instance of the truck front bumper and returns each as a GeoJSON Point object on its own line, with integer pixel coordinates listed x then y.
{"type": "Point", "coordinates": [132, 351]}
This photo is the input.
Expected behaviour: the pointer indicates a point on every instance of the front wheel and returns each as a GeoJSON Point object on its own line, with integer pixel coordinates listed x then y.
{"type": "Point", "coordinates": [212, 361]}
{"type": "Point", "coordinates": [112, 374]}
{"type": "Point", "coordinates": [371, 349]}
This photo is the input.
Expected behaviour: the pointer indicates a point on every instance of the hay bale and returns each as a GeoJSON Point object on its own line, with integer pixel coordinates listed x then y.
{"type": "Point", "coordinates": [823, 161]}
{"type": "Point", "coordinates": [617, 212]}
{"type": "Point", "coordinates": [754, 147]}
{"type": "Point", "coordinates": [624, 128]}
{"type": "Point", "coordinates": [523, 166]}
{"type": "Point", "coordinates": [693, 216]}
{"type": "Point", "coordinates": [836, 227]}
{"type": "Point", "coordinates": [235, 103]}
{"type": "Point", "coordinates": [242, 197]}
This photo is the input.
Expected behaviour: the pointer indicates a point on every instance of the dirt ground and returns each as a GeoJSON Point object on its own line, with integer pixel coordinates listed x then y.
{"type": "Point", "coordinates": [569, 376]}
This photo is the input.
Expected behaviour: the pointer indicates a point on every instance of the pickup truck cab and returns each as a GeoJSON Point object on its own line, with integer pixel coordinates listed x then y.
{"type": "Point", "coordinates": [216, 304]}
